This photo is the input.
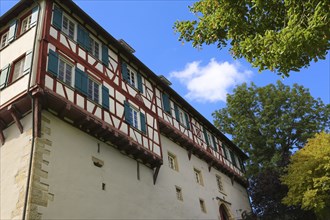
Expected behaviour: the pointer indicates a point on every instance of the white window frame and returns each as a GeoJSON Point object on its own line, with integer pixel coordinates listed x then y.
{"type": "Point", "coordinates": [26, 24]}
{"type": "Point", "coordinates": [132, 77]}
{"type": "Point", "coordinates": [210, 139]}
{"type": "Point", "coordinates": [182, 117]}
{"type": "Point", "coordinates": [92, 94]}
{"type": "Point", "coordinates": [92, 47]}
{"type": "Point", "coordinates": [135, 115]}
{"type": "Point", "coordinates": [66, 65]}
{"type": "Point", "coordinates": [4, 39]}
{"type": "Point", "coordinates": [67, 30]}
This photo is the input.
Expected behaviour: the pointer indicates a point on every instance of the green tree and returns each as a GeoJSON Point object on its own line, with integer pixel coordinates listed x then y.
{"type": "Point", "coordinates": [268, 123]}
{"type": "Point", "coordinates": [308, 177]}
{"type": "Point", "coordinates": [279, 35]}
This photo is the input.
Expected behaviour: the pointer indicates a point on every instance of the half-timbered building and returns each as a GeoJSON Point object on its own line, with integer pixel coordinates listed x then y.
{"type": "Point", "coordinates": [88, 131]}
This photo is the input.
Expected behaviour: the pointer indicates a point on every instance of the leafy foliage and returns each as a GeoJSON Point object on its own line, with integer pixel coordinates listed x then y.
{"type": "Point", "coordinates": [308, 177]}
{"type": "Point", "coordinates": [279, 35]}
{"type": "Point", "coordinates": [268, 123]}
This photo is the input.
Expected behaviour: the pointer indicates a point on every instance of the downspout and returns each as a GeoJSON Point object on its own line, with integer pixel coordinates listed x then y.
{"type": "Point", "coordinates": [33, 117]}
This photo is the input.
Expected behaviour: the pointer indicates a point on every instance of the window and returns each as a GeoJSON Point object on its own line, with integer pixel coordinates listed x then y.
{"type": "Point", "coordinates": [93, 90]}
{"type": "Point", "coordinates": [94, 47]}
{"type": "Point", "coordinates": [4, 39]}
{"type": "Point", "coordinates": [198, 176]}
{"type": "Point", "coordinates": [68, 27]}
{"type": "Point", "coordinates": [26, 24]}
{"type": "Point", "coordinates": [219, 183]}
{"type": "Point", "coordinates": [181, 116]}
{"type": "Point", "coordinates": [202, 205]}
{"type": "Point", "coordinates": [178, 191]}
{"type": "Point", "coordinates": [18, 69]}
{"type": "Point", "coordinates": [65, 70]}
{"type": "Point", "coordinates": [134, 117]}
{"type": "Point", "coordinates": [132, 77]}
{"type": "Point", "coordinates": [210, 140]}
{"type": "Point", "coordinates": [172, 161]}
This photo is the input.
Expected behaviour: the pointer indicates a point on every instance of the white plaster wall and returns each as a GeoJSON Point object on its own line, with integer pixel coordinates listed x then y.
{"type": "Point", "coordinates": [14, 157]}
{"type": "Point", "coordinates": [77, 184]}
{"type": "Point", "coordinates": [14, 89]}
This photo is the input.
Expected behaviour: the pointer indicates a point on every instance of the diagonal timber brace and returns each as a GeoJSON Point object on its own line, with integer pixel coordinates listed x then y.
{"type": "Point", "coordinates": [16, 116]}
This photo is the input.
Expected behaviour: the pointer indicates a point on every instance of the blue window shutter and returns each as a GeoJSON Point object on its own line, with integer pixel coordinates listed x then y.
{"type": "Point", "coordinates": [105, 97]}
{"type": "Point", "coordinates": [166, 103]}
{"type": "Point", "coordinates": [53, 63]}
{"type": "Point", "coordinates": [143, 123]}
{"type": "Point", "coordinates": [34, 16]}
{"type": "Point", "coordinates": [83, 37]}
{"type": "Point", "coordinates": [176, 111]}
{"type": "Point", "coordinates": [105, 55]}
{"type": "Point", "coordinates": [187, 120]}
{"type": "Point", "coordinates": [224, 151]}
{"type": "Point", "coordinates": [81, 80]}
{"type": "Point", "coordinates": [12, 31]}
{"type": "Point", "coordinates": [57, 18]}
{"type": "Point", "coordinates": [4, 76]}
{"type": "Point", "coordinates": [205, 137]}
{"type": "Point", "coordinates": [128, 115]}
{"type": "Point", "coordinates": [232, 155]}
{"type": "Point", "coordinates": [214, 143]}
{"type": "Point", "coordinates": [124, 71]}
{"type": "Point", "coordinates": [139, 81]}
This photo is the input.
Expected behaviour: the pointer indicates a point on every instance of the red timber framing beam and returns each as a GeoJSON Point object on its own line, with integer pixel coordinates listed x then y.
{"type": "Point", "coordinates": [192, 148]}
{"type": "Point", "coordinates": [94, 126]}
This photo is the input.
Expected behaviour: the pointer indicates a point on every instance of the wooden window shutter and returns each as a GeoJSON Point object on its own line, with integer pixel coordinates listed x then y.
{"type": "Point", "coordinates": [12, 31]}
{"type": "Point", "coordinates": [105, 55]}
{"type": "Point", "coordinates": [241, 164]}
{"type": "Point", "coordinates": [83, 37]}
{"type": "Point", "coordinates": [139, 81]}
{"type": "Point", "coordinates": [124, 71]}
{"type": "Point", "coordinates": [205, 137]}
{"type": "Point", "coordinates": [187, 120]}
{"type": "Point", "coordinates": [105, 97]}
{"type": "Point", "coordinates": [57, 18]}
{"type": "Point", "coordinates": [28, 61]}
{"type": "Point", "coordinates": [127, 112]}
{"type": "Point", "coordinates": [4, 76]}
{"type": "Point", "coordinates": [81, 80]}
{"type": "Point", "coordinates": [166, 103]}
{"type": "Point", "coordinates": [53, 63]}
{"type": "Point", "coordinates": [176, 111]}
{"type": "Point", "coordinates": [143, 123]}
{"type": "Point", "coordinates": [34, 16]}
{"type": "Point", "coordinates": [214, 143]}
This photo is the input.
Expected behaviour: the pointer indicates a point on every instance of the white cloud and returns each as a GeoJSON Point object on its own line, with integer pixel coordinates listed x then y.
{"type": "Point", "coordinates": [212, 82]}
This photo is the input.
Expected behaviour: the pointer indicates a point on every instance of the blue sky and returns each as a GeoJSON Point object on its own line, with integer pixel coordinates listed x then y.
{"type": "Point", "coordinates": [203, 77]}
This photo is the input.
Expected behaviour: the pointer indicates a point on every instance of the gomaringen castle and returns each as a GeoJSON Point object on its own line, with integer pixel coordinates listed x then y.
{"type": "Point", "coordinates": [87, 131]}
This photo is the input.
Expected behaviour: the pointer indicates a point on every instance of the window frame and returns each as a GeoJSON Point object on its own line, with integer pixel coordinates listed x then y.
{"type": "Point", "coordinates": [67, 63]}
{"type": "Point", "coordinates": [132, 76]}
{"type": "Point", "coordinates": [5, 33]}
{"type": "Point", "coordinates": [66, 31]}
{"type": "Point", "coordinates": [23, 28]}
{"type": "Point", "coordinates": [172, 158]}
{"type": "Point", "coordinates": [11, 78]}
{"type": "Point", "coordinates": [91, 50]}
{"type": "Point", "coordinates": [95, 84]}
{"type": "Point", "coordinates": [198, 176]}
